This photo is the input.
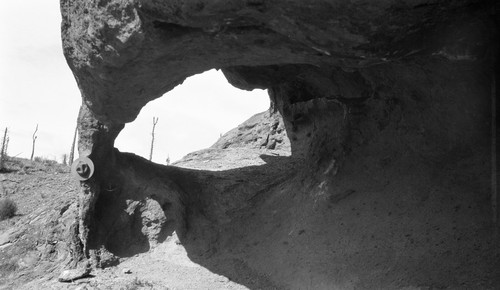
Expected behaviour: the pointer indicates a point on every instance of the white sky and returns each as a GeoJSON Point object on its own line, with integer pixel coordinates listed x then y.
{"type": "Point", "coordinates": [37, 86]}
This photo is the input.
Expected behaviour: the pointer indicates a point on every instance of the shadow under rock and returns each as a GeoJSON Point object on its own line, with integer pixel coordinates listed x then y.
{"type": "Point", "coordinates": [213, 204]}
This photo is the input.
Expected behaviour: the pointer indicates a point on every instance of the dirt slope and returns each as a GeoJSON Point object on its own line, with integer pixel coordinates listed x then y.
{"type": "Point", "coordinates": [32, 244]}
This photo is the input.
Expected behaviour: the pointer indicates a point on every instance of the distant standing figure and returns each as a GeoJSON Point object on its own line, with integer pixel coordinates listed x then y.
{"type": "Point", "coordinates": [168, 160]}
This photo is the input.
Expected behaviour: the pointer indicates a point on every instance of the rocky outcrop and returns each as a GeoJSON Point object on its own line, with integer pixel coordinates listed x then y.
{"type": "Point", "coordinates": [127, 53]}
{"type": "Point", "coordinates": [362, 89]}
{"type": "Point", "coordinates": [262, 131]}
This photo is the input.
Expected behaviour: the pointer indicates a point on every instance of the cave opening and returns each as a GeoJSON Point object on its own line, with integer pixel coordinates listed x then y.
{"type": "Point", "coordinates": [191, 117]}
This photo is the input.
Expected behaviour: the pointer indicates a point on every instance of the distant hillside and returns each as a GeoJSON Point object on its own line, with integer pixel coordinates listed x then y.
{"type": "Point", "coordinates": [261, 131]}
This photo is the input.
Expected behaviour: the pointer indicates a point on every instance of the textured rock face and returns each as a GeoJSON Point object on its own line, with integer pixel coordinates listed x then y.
{"type": "Point", "coordinates": [364, 89]}
{"type": "Point", "coordinates": [262, 131]}
{"type": "Point", "coordinates": [126, 53]}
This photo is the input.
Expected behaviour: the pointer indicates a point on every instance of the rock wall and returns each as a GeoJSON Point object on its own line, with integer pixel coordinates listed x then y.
{"type": "Point", "coordinates": [126, 53]}
{"type": "Point", "coordinates": [403, 84]}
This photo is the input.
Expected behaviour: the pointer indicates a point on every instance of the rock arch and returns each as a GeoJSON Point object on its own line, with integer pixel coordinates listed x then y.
{"type": "Point", "coordinates": [412, 76]}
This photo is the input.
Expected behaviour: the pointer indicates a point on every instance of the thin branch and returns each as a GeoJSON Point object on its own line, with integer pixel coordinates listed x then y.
{"type": "Point", "coordinates": [34, 140]}
{"type": "Point", "coordinates": [3, 152]}
{"type": "Point", "coordinates": [155, 121]}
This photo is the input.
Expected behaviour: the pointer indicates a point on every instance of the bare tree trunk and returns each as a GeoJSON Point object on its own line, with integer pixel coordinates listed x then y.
{"type": "Point", "coordinates": [4, 149]}
{"type": "Point", "coordinates": [155, 121]}
{"type": "Point", "coordinates": [72, 152]}
{"type": "Point", "coordinates": [34, 140]}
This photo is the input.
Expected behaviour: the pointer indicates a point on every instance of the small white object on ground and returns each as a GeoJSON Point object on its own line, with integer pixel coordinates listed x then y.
{"type": "Point", "coordinates": [74, 274]}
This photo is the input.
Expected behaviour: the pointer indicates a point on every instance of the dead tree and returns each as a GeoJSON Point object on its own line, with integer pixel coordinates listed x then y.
{"type": "Point", "coordinates": [3, 153]}
{"type": "Point", "coordinates": [34, 140]}
{"type": "Point", "coordinates": [6, 146]}
{"type": "Point", "coordinates": [155, 121]}
{"type": "Point", "coordinates": [72, 151]}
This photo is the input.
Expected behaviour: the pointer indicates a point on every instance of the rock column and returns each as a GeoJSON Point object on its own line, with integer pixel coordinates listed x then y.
{"type": "Point", "coordinates": [97, 143]}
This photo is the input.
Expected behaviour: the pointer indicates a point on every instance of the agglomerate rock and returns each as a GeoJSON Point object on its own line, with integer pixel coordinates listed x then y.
{"type": "Point", "coordinates": [126, 53]}
{"type": "Point", "coordinates": [359, 90]}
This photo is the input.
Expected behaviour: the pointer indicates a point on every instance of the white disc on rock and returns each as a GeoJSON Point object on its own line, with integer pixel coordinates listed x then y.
{"type": "Point", "coordinates": [82, 168]}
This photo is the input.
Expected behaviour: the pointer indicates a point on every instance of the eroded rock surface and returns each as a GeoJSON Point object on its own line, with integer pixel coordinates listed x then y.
{"type": "Point", "coordinates": [374, 99]}
{"type": "Point", "coordinates": [126, 53]}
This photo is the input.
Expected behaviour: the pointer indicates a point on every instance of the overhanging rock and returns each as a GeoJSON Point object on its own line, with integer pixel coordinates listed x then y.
{"type": "Point", "coordinates": [385, 80]}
